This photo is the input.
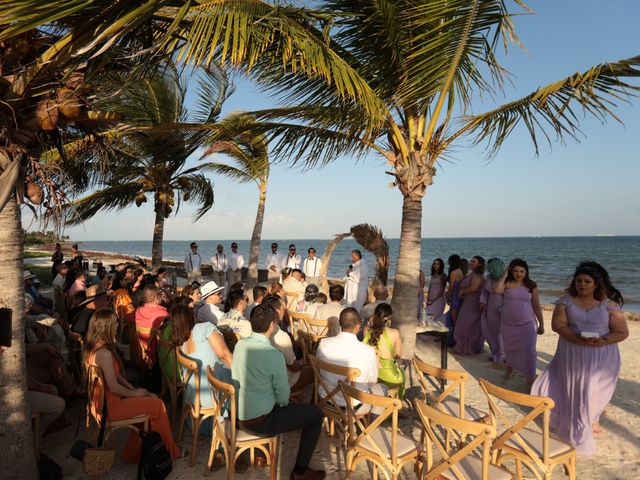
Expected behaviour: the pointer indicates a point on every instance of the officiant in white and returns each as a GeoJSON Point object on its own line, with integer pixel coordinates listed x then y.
{"type": "Point", "coordinates": [357, 282]}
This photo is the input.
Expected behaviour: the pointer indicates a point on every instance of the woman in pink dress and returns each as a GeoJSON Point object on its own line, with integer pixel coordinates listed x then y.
{"type": "Point", "coordinates": [521, 319]}
{"type": "Point", "coordinates": [468, 331]}
{"type": "Point", "coordinates": [581, 378]}
{"type": "Point", "coordinates": [491, 306]}
{"type": "Point", "coordinates": [436, 299]}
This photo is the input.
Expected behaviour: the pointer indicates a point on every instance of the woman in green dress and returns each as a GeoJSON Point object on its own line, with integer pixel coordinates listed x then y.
{"type": "Point", "coordinates": [386, 341]}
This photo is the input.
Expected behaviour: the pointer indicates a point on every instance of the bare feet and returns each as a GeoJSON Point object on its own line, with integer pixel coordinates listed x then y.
{"type": "Point", "coordinates": [508, 373]}
{"type": "Point", "coordinates": [597, 430]}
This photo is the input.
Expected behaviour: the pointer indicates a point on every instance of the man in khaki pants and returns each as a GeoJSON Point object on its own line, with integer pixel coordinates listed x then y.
{"type": "Point", "coordinates": [219, 264]}
{"type": "Point", "coordinates": [236, 262]}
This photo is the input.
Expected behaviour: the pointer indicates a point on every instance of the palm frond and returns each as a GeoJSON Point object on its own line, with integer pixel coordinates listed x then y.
{"type": "Point", "coordinates": [372, 239]}
{"type": "Point", "coordinates": [113, 197]}
{"type": "Point", "coordinates": [200, 190]}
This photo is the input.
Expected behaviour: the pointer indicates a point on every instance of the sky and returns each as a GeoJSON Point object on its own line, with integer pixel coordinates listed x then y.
{"type": "Point", "coordinates": [586, 188]}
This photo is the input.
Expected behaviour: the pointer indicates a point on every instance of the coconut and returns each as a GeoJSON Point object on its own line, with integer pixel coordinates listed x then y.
{"type": "Point", "coordinates": [35, 193]}
{"type": "Point", "coordinates": [47, 115]}
{"type": "Point", "coordinates": [70, 106]}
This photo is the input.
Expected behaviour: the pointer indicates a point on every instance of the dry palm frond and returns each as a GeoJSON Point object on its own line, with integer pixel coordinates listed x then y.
{"type": "Point", "coordinates": [372, 239]}
{"type": "Point", "coordinates": [326, 258]}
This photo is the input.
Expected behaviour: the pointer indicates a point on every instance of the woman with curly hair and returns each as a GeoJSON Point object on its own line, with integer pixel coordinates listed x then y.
{"type": "Point", "coordinates": [388, 346]}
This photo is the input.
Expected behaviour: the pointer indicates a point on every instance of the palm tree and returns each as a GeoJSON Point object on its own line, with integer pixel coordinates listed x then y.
{"type": "Point", "coordinates": [425, 60]}
{"type": "Point", "coordinates": [235, 137]}
{"type": "Point", "coordinates": [152, 146]}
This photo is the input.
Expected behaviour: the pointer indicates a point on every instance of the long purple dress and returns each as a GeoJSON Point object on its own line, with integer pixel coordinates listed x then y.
{"type": "Point", "coordinates": [518, 328]}
{"type": "Point", "coordinates": [491, 319]}
{"type": "Point", "coordinates": [468, 331]}
{"type": "Point", "coordinates": [580, 379]}
{"type": "Point", "coordinates": [454, 306]}
{"type": "Point", "coordinates": [436, 287]}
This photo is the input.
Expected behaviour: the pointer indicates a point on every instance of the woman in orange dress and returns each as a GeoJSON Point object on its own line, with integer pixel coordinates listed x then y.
{"type": "Point", "coordinates": [123, 400]}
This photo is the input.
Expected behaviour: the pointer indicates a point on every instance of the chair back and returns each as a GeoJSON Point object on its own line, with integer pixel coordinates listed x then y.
{"type": "Point", "coordinates": [432, 393]}
{"type": "Point", "coordinates": [75, 347]}
{"type": "Point", "coordinates": [324, 396]}
{"type": "Point", "coordinates": [190, 369]}
{"type": "Point", "coordinates": [167, 356]}
{"type": "Point", "coordinates": [437, 426]}
{"type": "Point", "coordinates": [317, 327]}
{"type": "Point", "coordinates": [309, 342]}
{"type": "Point", "coordinates": [95, 393]}
{"type": "Point", "coordinates": [291, 298]}
{"type": "Point", "coordinates": [297, 322]}
{"type": "Point", "coordinates": [359, 432]}
{"type": "Point", "coordinates": [538, 405]}
{"type": "Point", "coordinates": [224, 396]}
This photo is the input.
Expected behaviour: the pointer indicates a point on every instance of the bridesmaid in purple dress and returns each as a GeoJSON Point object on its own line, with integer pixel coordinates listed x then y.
{"type": "Point", "coordinates": [455, 277]}
{"type": "Point", "coordinates": [435, 294]}
{"type": "Point", "coordinates": [581, 378]}
{"type": "Point", "coordinates": [468, 331]}
{"type": "Point", "coordinates": [491, 306]}
{"type": "Point", "coordinates": [518, 326]}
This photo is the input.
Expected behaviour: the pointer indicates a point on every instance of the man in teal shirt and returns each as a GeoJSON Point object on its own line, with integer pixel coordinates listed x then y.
{"type": "Point", "coordinates": [262, 389]}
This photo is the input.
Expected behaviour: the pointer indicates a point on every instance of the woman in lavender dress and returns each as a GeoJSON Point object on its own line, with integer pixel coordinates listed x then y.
{"type": "Point", "coordinates": [468, 331]}
{"type": "Point", "coordinates": [491, 306]}
{"type": "Point", "coordinates": [455, 277]}
{"type": "Point", "coordinates": [581, 378]}
{"type": "Point", "coordinates": [435, 294]}
{"type": "Point", "coordinates": [518, 325]}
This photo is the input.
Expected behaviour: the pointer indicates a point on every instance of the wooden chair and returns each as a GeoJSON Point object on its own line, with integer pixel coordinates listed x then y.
{"type": "Point", "coordinates": [309, 343]}
{"type": "Point", "coordinates": [384, 447]}
{"type": "Point", "coordinates": [464, 463]}
{"type": "Point", "coordinates": [193, 408]}
{"type": "Point", "coordinates": [233, 439]}
{"type": "Point", "coordinates": [95, 392]}
{"type": "Point", "coordinates": [170, 379]}
{"type": "Point", "coordinates": [291, 298]}
{"type": "Point", "coordinates": [75, 350]}
{"type": "Point", "coordinates": [297, 321]}
{"type": "Point", "coordinates": [317, 327]}
{"type": "Point", "coordinates": [535, 449]}
{"type": "Point", "coordinates": [444, 399]}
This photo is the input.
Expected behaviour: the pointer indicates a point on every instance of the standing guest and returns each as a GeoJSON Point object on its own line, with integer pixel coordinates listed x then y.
{"type": "Point", "coordinates": [76, 254]}
{"type": "Point", "coordinates": [388, 346]}
{"type": "Point", "coordinates": [234, 318]}
{"type": "Point", "coordinates": [518, 319]}
{"type": "Point", "coordinates": [436, 299]}
{"type": "Point", "coordinates": [468, 332]}
{"type": "Point", "coordinates": [381, 295]}
{"type": "Point", "coordinates": [58, 288]}
{"type": "Point", "coordinates": [581, 378]}
{"type": "Point", "coordinates": [293, 259]}
{"type": "Point", "coordinates": [464, 266]}
{"type": "Point", "coordinates": [312, 266]}
{"type": "Point", "coordinates": [455, 277]}
{"type": "Point", "coordinates": [123, 400]}
{"type": "Point", "coordinates": [612, 292]}
{"type": "Point", "coordinates": [491, 306]}
{"type": "Point", "coordinates": [357, 281]}
{"type": "Point", "coordinates": [331, 311]}
{"type": "Point", "coordinates": [56, 259]}
{"type": "Point", "coordinates": [236, 263]}
{"type": "Point", "coordinates": [193, 264]}
{"type": "Point", "coordinates": [259, 292]}
{"type": "Point", "coordinates": [421, 284]}
{"type": "Point", "coordinates": [220, 265]}
{"type": "Point", "coordinates": [79, 284]}
{"type": "Point", "coordinates": [262, 389]}
{"type": "Point", "coordinates": [274, 262]}
{"type": "Point", "coordinates": [211, 296]}
{"type": "Point", "coordinates": [150, 316]}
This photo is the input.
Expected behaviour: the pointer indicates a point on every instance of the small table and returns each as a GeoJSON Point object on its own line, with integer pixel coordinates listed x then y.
{"type": "Point", "coordinates": [442, 334]}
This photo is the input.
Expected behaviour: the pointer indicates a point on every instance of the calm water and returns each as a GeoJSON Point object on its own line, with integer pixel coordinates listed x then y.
{"type": "Point", "coordinates": [551, 259]}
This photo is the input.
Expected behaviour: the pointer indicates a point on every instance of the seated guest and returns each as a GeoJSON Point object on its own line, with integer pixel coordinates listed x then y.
{"type": "Point", "coordinates": [47, 372]}
{"type": "Point", "coordinates": [162, 277]}
{"type": "Point", "coordinates": [294, 284]}
{"type": "Point", "coordinates": [30, 288]}
{"type": "Point", "coordinates": [346, 350]}
{"type": "Point", "coordinates": [275, 288]}
{"type": "Point", "coordinates": [298, 374]}
{"type": "Point", "coordinates": [149, 316]}
{"type": "Point", "coordinates": [262, 390]}
{"type": "Point", "coordinates": [123, 400]}
{"type": "Point", "coordinates": [331, 311]}
{"type": "Point", "coordinates": [58, 287]}
{"type": "Point", "coordinates": [122, 301]}
{"type": "Point", "coordinates": [234, 318]}
{"type": "Point", "coordinates": [96, 300]}
{"type": "Point", "coordinates": [195, 297]}
{"type": "Point", "coordinates": [101, 278]}
{"type": "Point", "coordinates": [380, 293]}
{"type": "Point", "coordinates": [309, 304]}
{"type": "Point", "coordinates": [388, 345]}
{"type": "Point", "coordinates": [322, 298]}
{"type": "Point", "coordinates": [211, 296]}
{"type": "Point", "coordinates": [258, 294]}
{"type": "Point", "coordinates": [41, 325]}
{"type": "Point", "coordinates": [79, 283]}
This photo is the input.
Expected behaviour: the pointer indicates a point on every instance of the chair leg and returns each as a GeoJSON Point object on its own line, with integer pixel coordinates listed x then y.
{"type": "Point", "coordinates": [194, 443]}
{"type": "Point", "coordinates": [274, 458]}
{"type": "Point", "coordinates": [519, 469]}
{"type": "Point", "coordinates": [181, 423]}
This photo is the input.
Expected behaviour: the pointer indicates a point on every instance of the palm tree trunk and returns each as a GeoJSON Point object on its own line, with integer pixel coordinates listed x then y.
{"type": "Point", "coordinates": [405, 296]}
{"type": "Point", "coordinates": [16, 441]}
{"type": "Point", "coordinates": [256, 236]}
{"type": "Point", "coordinates": [158, 234]}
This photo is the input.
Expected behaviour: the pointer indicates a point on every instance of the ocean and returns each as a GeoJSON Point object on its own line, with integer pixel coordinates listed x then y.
{"type": "Point", "coordinates": [551, 260]}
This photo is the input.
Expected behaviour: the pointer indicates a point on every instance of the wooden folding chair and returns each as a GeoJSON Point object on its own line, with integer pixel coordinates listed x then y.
{"type": "Point", "coordinates": [297, 321]}
{"type": "Point", "coordinates": [317, 327]}
{"type": "Point", "coordinates": [75, 350]}
{"type": "Point", "coordinates": [233, 439]}
{"type": "Point", "coordinates": [463, 463]}
{"type": "Point", "coordinates": [193, 408]}
{"type": "Point", "coordinates": [96, 395]}
{"type": "Point", "coordinates": [309, 343]}
{"type": "Point", "coordinates": [444, 398]}
{"type": "Point", "coordinates": [535, 449]}
{"type": "Point", "coordinates": [291, 298]}
{"type": "Point", "coordinates": [384, 447]}
{"type": "Point", "coordinates": [170, 378]}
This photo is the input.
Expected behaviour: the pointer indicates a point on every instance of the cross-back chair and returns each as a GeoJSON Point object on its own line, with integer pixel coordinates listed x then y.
{"type": "Point", "coordinates": [531, 447]}
{"type": "Point", "coordinates": [170, 376]}
{"type": "Point", "coordinates": [75, 349]}
{"type": "Point", "coordinates": [291, 298]}
{"type": "Point", "coordinates": [384, 447]}
{"type": "Point", "coordinates": [233, 439]}
{"type": "Point", "coordinates": [297, 322]}
{"type": "Point", "coordinates": [309, 343]}
{"type": "Point", "coordinates": [464, 463]}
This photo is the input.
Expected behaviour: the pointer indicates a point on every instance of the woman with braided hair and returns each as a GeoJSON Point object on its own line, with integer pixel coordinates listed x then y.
{"type": "Point", "coordinates": [386, 341]}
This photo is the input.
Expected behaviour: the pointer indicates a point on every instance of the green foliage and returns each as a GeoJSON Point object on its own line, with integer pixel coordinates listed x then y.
{"type": "Point", "coordinates": [35, 254]}
{"type": "Point", "coordinates": [43, 274]}
{"type": "Point", "coordinates": [41, 238]}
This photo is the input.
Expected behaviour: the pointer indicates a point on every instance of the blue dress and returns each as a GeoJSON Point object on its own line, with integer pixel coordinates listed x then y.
{"type": "Point", "coordinates": [455, 305]}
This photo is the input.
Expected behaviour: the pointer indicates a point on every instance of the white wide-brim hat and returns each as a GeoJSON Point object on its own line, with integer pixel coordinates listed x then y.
{"type": "Point", "coordinates": [210, 288]}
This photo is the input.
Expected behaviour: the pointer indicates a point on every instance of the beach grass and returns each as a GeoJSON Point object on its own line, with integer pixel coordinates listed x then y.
{"type": "Point", "coordinates": [42, 272]}
{"type": "Point", "coordinates": [28, 254]}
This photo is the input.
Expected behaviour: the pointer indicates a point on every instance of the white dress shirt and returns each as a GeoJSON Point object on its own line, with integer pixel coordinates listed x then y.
{"type": "Point", "coordinates": [312, 267]}
{"type": "Point", "coordinates": [282, 342]}
{"type": "Point", "coordinates": [293, 261]}
{"type": "Point", "coordinates": [219, 262]}
{"type": "Point", "coordinates": [346, 350]}
{"type": "Point", "coordinates": [331, 311]}
{"type": "Point", "coordinates": [209, 313]}
{"type": "Point", "coordinates": [236, 322]}
{"type": "Point", "coordinates": [235, 261]}
{"type": "Point", "coordinates": [192, 262]}
{"type": "Point", "coordinates": [274, 259]}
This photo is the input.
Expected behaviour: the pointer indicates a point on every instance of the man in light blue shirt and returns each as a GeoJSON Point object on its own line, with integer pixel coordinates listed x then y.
{"type": "Point", "coordinates": [262, 389]}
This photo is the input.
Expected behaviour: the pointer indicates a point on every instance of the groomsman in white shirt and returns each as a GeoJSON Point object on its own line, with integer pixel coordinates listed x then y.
{"type": "Point", "coordinates": [236, 262]}
{"type": "Point", "coordinates": [312, 266]}
{"type": "Point", "coordinates": [357, 282]}
{"type": "Point", "coordinates": [193, 264]}
{"type": "Point", "coordinates": [219, 264]}
{"type": "Point", "coordinates": [274, 263]}
{"type": "Point", "coordinates": [293, 259]}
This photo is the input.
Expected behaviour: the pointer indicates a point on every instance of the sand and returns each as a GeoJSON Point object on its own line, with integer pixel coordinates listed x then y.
{"type": "Point", "coordinates": [618, 445]}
